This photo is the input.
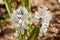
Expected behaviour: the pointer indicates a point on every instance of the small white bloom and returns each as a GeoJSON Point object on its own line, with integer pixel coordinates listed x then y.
{"type": "Point", "coordinates": [20, 20]}
{"type": "Point", "coordinates": [46, 17]}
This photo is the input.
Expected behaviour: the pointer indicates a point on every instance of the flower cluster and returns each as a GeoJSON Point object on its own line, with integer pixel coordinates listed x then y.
{"type": "Point", "coordinates": [46, 17]}
{"type": "Point", "coordinates": [20, 20]}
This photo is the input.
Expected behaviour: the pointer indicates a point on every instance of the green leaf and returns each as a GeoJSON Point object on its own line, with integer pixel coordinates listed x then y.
{"type": "Point", "coordinates": [29, 25]}
{"type": "Point", "coordinates": [23, 2]}
{"type": "Point", "coordinates": [20, 36]}
{"type": "Point", "coordinates": [34, 34]}
{"type": "Point", "coordinates": [7, 15]}
{"type": "Point", "coordinates": [8, 6]}
{"type": "Point", "coordinates": [2, 22]}
{"type": "Point", "coordinates": [15, 28]}
{"type": "Point", "coordinates": [29, 19]}
{"type": "Point", "coordinates": [26, 4]}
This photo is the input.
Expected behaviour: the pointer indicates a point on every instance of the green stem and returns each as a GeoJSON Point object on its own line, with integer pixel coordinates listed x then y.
{"type": "Point", "coordinates": [26, 3]}
{"type": "Point", "coordinates": [20, 36]}
{"type": "Point", "coordinates": [8, 6]}
{"type": "Point", "coordinates": [34, 34]}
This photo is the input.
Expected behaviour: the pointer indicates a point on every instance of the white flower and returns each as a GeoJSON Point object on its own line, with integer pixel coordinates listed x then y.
{"type": "Point", "coordinates": [46, 17]}
{"type": "Point", "coordinates": [20, 20]}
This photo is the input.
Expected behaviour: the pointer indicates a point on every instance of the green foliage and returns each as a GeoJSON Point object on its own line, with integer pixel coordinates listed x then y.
{"type": "Point", "coordinates": [34, 34]}
{"type": "Point", "coordinates": [29, 25]}
{"type": "Point", "coordinates": [20, 36]}
{"type": "Point", "coordinates": [15, 28]}
{"type": "Point", "coordinates": [8, 6]}
{"type": "Point", "coordinates": [28, 31]}
{"type": "Point", "coordinates": [26, 4]}
{"type": "Point", "coordinates": [2, 22]}
{"type": "Point", "coordinates": [29, 19]}
{"type": "Point", "coordinates": [23, 2]}
{"type": "Point", "coordinates": [6, 15]}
